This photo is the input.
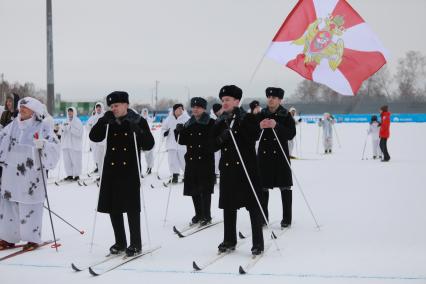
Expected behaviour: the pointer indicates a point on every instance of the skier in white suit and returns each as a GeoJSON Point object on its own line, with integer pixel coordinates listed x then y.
{"type": "Point", "coordinates": [98, 149]}
{"type": "Point", "coordinates": [175, 151]}
{"type": "Point", "coordinates": [374, 130]}
{"type": "Point", "coordinates": [72, 145]}
{"type": "Point", "coordinates": [149, 155]}
{"type": "Point", "coordinates": [22, 192]}
{"type": "Point", "coordinates": [326, 122]}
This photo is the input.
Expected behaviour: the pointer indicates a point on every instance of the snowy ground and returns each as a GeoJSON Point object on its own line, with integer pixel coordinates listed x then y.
{"type": "Point", "coordinates": [372, 217]}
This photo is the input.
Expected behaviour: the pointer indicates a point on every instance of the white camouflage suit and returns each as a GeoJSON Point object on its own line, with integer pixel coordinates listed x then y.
{"type": "Point", "coordinates": [72, 145]}
{"type": "Point", "coordinates": [149, 155]}
{"type": "Point", "coordinates": [293, 141]}
{"type": "Point", "coordinates": [176, 152]}
{"type": "Point", "coordinates": [327, 135]}
{"type": "Point", "coordinates": [374, 130]}
{"type": "Point", "coordinates": [22, 191]}
{"type": "Point", "coordinates": [98, 149]}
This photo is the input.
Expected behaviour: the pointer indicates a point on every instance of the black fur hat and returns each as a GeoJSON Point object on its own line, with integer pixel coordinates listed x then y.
{"type": "Point", "coordinates": [231, 91]}
{"type": "Point", "coordinates": [275, 92]}
{"type": "Point", "coordinates": [198, 101]}
{"type": "Point", "coordinates": [117, 97]}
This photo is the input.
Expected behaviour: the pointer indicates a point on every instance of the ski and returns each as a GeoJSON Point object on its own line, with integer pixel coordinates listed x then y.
{"type": "Point", "coordinates": [255, 258]}
{"type": "Point", "coordinates": [9, 248]}
{"type": "Point", "coordinates": [88, 181]}
{"type": "Point", "coordinates": [194, 230]}
{"type": "Point", "coordinates": [218, 256]}
{"type": "Point", "coordinates": [96, 271]}
{"type": "Point", "coordinates": [22, 251]}
{"type": "Point", "coordinates": [63, 181]}
{"type": "Point", "coordinates": [108, 257]}
{"type": "Point", "coordinates": [184, 229]}
{"type": "Point", "coordinates": [166, 184]}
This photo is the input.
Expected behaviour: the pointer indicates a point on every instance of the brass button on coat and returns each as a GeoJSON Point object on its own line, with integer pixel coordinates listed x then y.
{"type": "Point", "coordinates": [112, 164]}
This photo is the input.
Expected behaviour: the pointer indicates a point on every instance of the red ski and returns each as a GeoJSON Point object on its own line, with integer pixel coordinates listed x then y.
{"type": "Point", "coordinates": [25, 250]}
{"type": "Point", "coordinates": [14, 247]}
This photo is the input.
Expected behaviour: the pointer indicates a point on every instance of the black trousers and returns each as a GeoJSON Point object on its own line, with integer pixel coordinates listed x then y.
{"type": "Point", "coordinates": [202, 204]}
{"type": "Point", "coordinates": [384, 148]}
{"type": "Point", "coordinates": [117, 222]}
{"type": "Point", "coordinates": [286, 200]}
{"type": "Point", "coordinates": [230, 227]}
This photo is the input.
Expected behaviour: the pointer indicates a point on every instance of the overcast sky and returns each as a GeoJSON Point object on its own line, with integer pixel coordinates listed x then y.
{"type": "Point", "coordinates": [187, 45]}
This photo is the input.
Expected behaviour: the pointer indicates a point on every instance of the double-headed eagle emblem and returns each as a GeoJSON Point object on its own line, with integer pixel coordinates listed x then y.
{"type": "Point", "coordinates": [322, 42]}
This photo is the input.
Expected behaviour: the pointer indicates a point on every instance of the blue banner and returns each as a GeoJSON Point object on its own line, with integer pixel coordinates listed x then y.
{"type": "Point", "coordinates": [365, 118]}
{"type": "Point", "coordinates": [313, 118]}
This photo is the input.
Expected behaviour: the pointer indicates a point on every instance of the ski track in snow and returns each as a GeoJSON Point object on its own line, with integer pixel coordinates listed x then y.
{"type": "Point", "coordinates": [372, 218]}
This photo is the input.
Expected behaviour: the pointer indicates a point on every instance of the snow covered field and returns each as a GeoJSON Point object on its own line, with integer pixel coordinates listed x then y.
{"type": "Point", "coordinates": [372, 217]}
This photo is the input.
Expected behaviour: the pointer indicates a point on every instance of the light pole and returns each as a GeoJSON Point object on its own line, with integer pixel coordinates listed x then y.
{"type": "Point", "coordinates": [50, 79]}
{"type": "Point", "coordinates": [157, 83]}
{"type": "Point", "coordinates": [1, 90]}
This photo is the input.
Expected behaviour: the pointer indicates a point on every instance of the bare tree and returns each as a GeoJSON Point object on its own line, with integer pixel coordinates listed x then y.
{"type": "Point", "coordinates": [377, 86]}
{"type": "Point", "coordinates": [410, 76]}
{"type": "Point", "coordinates": [307, 92]}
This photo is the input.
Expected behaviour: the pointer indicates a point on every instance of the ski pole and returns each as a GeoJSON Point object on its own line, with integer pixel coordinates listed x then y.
{"type": "Point", "coordinates": [170, 189]}
{"type": "Point", "coordinates": [100, 184]}
{"type": "Point", "coordinates": [251, 184]}
{"type": "Point", "coordinates": [65, 221]}
{"type": "Point", "coordinates": [56, 245]}
{"type": "Point", "coordinates": [318, 140]}
{"type": "Point", "coordinates": [143, 196]}
{"type": "Point", "coordinates": [365, 144]}
{"type": "Point", "coordinates": [297, 181]}
{"type": "Point", "coordinates": [337, 135]}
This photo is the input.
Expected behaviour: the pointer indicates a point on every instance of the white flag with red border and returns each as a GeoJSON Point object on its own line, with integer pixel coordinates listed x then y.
{"type": "Point", "coordinates": [328, 42]}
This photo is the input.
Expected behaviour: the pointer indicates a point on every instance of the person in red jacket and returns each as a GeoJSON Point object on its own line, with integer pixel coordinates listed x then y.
{"type": "Point", "coordinates": [384, 132]}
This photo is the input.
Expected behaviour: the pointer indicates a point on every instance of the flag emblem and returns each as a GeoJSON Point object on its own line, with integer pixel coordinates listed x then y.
{"type": "Point", "coordinates": [328, 42]}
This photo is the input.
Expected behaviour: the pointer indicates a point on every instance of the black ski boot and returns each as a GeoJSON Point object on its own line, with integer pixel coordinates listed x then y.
{"type": "Point", "coordinates": [175, 178]}
{"type": "Point", "coordinates": [226, 246]}
{"type": "Point", "coordinates": [117, 249]}
{"type": "Point", "coordinates": [206, 221]}
{"type": "Point", "coordinates": [132, 251]}
{"type": "Point", "coordinates": [196, 219]}
{"type": "Point", "coordinates": [256, 250]}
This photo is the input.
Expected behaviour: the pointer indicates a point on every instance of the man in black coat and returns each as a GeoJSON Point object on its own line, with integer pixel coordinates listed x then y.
{"type": "Point", "coordinates": [274, 169]}
{"type": "Point", "coordinates": [235, 189]}
{"type": "Point", "coordinates": [120, 185]}
{"type": "Point", "coordinates": [199, 174]}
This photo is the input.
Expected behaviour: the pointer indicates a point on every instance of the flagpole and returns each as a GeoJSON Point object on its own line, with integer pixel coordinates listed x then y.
{"type": "Point", "coordinates": [258, 64]}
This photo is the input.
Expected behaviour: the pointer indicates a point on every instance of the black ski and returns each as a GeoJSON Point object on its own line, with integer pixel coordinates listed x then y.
{"type": "Point", "coordinates": [255, 258]}
{"type": "Point", "coordinates": [195, 229]}
{"type": "Point", "coordinates": [108, 257]}
{"type": "Point", "coordinates": [220, 255]}
{"type": "Point", "coordinates": [96, 271]}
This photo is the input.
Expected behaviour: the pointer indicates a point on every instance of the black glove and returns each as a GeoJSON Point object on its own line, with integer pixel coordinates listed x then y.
{"type": "Point", "coordinates": [236, 113]}
{"type": "Point", "coordinates": [107, 118]}
{"type": "Point", "coordinates": [166, 133]}
{"type": "Point", "coordinates": [179, 127]}
{"type": "Point", "coordinates": [134, 127]}
{"type": "Point", "coordinates": [299, 120]}
{"type": "Point", "coordinates": [320, 119]}
{"type": "Point", "coordinates": [224, 136]}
